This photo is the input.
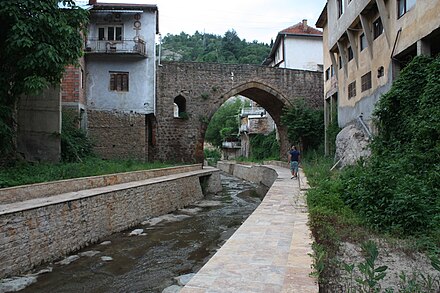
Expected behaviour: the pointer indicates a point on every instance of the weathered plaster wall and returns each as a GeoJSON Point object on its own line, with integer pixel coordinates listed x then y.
{"type": "Point", "coordinates": [140, 97]}
{"type": "Point", "coordinates": [303, 53]}
{"type": "Point", "coordinates": [39, 126]}
{"type": "Point", "coordinates": [43, 230]}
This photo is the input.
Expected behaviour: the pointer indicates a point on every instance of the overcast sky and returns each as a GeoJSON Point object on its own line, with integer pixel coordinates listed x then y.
{"type": "Point", "coordinates": [259, 20]}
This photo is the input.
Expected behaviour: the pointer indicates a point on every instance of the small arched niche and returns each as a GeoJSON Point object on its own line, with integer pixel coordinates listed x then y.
{"type": "Point", "coordinates": [180, 107]}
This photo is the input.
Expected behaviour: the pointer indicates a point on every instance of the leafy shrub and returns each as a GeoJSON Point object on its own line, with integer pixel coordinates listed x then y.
{"type": "Point", "coordinates": [212, 156]}
{"type": "Point", "coordinates": [304, 124]}
{"type": "Point", "coordinates": [397, 190]}
{"type": "Point", "coordinates": [75, 144]}
{"type": "Point", "coordinates": [28, 173]}
{"type": "Point", "coordinates": [265, 146]}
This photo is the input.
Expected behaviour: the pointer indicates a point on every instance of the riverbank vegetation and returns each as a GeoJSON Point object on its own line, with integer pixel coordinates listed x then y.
{"type": "Point", "coordinates": [388, 203]}
{"type": "Point", "coordinates": [28, 173]}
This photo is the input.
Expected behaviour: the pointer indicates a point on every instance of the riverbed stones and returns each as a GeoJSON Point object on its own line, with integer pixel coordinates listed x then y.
{"type": "Point", "coordinates": [89, 253]}
{"type": "Point", "coordinates": [106, 258]}
{"type": "Point", "coordinates": [172, 289]}
{"type": "Point", "coordinates": [165, 218]}
{"type": "Point", "coordinates": [208, 203]}
{"type": "Point", "coordinates": [68, 260]}
{"type": "Point", "coordinates": [16, 284]}
{"type": "Point", "coordinates": [190, 211]}
{"type": "Point", "coordinates": [105, 243]}
{"type": "Point", "coordinates": [184, 279]}
{"type": "Point", "coordinates": [136, 232]}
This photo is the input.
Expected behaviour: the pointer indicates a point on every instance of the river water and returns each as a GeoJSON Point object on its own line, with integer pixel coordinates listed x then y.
{"type": "Point", "coordinates": [181, 243]}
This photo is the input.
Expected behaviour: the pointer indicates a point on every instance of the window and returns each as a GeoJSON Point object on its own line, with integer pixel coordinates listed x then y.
{"type": "Point", "coordinates": [350, 53]}
{"type": "Point", "coordinates": [380, 72]}
{"type": "Point", "coordinates": [403, 6]}
{"type": "Point", "coordinates": [327, 74]}
{"type": "Point", "coordinates": [352, 90]}
{"type": "Point", "coordinates": [110, 33]}
{"type": "Point", "coordinates": [340, 7]}
{"type": "Point", "coordinates": [366, 81]}
{"type": "Point", "coordinates": [180, 112]}
{"type": "Point", "coordinates": [363, 42]}
{"type": "Point", "coordinates": [377, 28]}
{"type": "Point", "coordinates": [119, 81]}
{"type": "Point", "coordinates": [332, 70]}
{"type": "Point", "coordinates": [340, 62]}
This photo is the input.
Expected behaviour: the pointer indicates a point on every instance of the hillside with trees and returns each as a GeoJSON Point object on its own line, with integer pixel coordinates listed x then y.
{"type": "Point", "coordinates": [205, 47]}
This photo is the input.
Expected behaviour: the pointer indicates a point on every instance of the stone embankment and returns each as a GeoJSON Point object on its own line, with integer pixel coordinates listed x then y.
{"type": "Point", "coordinates": [48, 221]}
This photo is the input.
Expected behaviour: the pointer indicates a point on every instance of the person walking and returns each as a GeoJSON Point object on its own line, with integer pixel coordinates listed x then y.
{"type": "Point", "coordinates": [293, 160]}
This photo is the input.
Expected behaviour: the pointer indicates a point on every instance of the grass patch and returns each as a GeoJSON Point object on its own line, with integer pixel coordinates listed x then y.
{"type": "Point", "coordinates": [28, 173]}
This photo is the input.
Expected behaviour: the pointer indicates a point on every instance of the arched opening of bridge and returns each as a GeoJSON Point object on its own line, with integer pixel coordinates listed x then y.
{"type": "Point", "coordinates": [247, 124]}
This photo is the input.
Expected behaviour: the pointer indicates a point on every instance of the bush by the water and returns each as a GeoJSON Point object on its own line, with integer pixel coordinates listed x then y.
{"type": "Point", "coordinates": [265, 147]}
{"type": "Point", "coordinates": [28, 173]}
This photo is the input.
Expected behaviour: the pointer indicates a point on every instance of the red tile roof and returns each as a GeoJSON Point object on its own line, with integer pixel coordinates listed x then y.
{"type": "Point", "coordinates": [301, 29]}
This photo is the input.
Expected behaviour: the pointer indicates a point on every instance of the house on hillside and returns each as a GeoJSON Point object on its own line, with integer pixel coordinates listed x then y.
{"type": "Point", "coordinates": [297, 47]}
{"type": "Point", "coordinates": [114, 88]}
{"type": "Point", "coordinates": [366, 43]}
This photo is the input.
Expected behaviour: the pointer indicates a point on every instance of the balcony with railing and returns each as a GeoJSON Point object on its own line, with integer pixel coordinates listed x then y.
{"type": "Point", "coordinates": [131, 47]}
{"type": "Point", "coordinates": [253, 111]}
{"type": "Point", "coordinates": [231, 144]}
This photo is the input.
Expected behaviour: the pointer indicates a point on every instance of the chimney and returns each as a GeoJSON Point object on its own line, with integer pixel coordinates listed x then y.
{"type": "Point", "coordinates": [92, 2]}
{"type": "Point", "coordinates": [304, 22]}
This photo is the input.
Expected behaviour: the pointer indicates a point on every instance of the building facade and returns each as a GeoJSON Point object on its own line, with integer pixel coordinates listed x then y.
{"type": "Point", "coordinates": [366, 43]}
{"type": "Point", "coordinates": [297, 47]}
{"type": "Point", "coordinates": [253, 120]}
{"type": "Point", "coordinates": [120, 78]}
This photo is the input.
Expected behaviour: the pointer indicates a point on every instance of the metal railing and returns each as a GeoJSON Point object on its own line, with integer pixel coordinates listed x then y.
{"type": "Point", "coordinates": [231, 144]}
{"type": "Point", "coordinates": [252, 111]}
{"type": "Point", "coordinates": [135, 46]}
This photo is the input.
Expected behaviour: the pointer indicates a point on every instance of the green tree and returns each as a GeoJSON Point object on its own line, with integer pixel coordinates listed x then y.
{"type": "Point", "coordinates": [38, 39]}
{"type": "Point", "coordinates": [305, 125]}
{"type": "Point", "coordinates": [265, 146]}
{"type": "Point", "coordinates": [224, 123]}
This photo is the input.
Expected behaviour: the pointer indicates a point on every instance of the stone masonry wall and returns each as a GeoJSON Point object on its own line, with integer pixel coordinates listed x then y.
{"type": "Point", "coordinates": [206, 86]}
{"type": "Point", "coordinates": [30, 235]}
{"type": "Point", "coordinates": [38, 190]}
{"type": "Point", "coordinates": [257, 174]}
{"type": "Point", "coordinates": [118, 135]}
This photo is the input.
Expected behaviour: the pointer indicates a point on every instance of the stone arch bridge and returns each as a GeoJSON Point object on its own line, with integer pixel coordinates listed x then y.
{"type": "Point", "coordinates": [204, 87]}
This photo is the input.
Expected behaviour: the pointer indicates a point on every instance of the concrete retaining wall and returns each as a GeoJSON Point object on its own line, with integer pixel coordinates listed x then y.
{"type": "Point", "coordinates": [39, 190]}
{"type": "Point", "coordinates": [254, 173]}
{"type": "Point", "coordinates": [44, 229]}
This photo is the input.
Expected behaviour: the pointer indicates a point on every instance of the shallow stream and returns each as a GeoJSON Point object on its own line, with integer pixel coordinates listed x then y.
{"type": "Point", "coordinates": [170, 246]}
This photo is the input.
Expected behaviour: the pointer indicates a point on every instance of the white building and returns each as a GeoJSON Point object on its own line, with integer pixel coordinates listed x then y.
{"type": "Point", "coordinates": [120, 69]}
{"type": "Point", "coordinates": [120, 57]}
{"type": "Point", "coordinates": [297, 47]}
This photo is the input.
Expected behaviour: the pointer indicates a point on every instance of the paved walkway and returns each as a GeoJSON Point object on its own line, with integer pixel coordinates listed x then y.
{"type": "Point", "coordinates": [269, 252]}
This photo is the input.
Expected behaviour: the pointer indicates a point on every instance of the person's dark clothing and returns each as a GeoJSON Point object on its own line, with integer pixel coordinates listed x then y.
{"type": "Point", "coordinates": [294, 155]}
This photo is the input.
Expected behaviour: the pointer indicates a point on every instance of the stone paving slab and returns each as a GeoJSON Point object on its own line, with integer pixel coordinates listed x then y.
{"type": "Point", "coordinates": [269, 252]}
